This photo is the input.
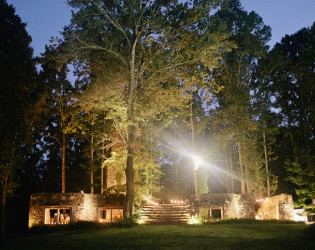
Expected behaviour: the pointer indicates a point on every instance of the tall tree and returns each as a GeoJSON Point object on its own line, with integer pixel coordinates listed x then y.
{"type": "Point", "coordinates": [56, 106]}
{"type": "Point", "coordinates": [17, 80]}
{"type": "Point", "coordinates": [142, 39]}
{"type": "Point", "coordinates": [291, 81]}
{"type": "Point", "coordinates": [234, 112]}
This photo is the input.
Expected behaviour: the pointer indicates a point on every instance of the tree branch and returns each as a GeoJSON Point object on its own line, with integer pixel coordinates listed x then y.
{"type": "Point", "coordinates": [112, 20]}
{"type": "Point", "coordinates": [97, 47]}
{"type": "Point", "coordinates": [173, 66]}
{"type": "Point", "coordinates": [51, 136]}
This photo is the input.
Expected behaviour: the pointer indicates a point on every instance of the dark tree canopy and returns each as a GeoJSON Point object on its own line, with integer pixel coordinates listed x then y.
{"type": "Point", "coordinates": [291, 82]}
{"type": "Point", "coordinates": [17, 80]}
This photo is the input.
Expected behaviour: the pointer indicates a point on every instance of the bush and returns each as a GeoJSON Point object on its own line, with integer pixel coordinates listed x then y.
{"type": "Point", "coordinates": [132, 221]}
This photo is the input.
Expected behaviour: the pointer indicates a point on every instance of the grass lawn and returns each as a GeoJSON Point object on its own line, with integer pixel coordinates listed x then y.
{"type": "Point", "coordinates": [225, 236]}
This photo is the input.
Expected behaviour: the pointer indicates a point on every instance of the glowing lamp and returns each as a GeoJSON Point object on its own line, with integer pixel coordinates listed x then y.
{"type": "Point", "coordinates": [197, 161]}
{"type": "Point", "coordinates": [140, 221]}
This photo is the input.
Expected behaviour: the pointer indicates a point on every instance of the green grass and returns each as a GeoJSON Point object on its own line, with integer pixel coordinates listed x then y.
{"type": "Point", "coordinates": [215, 236]}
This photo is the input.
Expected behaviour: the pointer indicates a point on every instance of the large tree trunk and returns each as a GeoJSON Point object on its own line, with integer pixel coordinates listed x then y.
{"type": "Point", "coordinates": [102, 168]}
{"type": "Point", "coordinates": [241, 168]}
{"type": "Point", "coordinates": [266, 163]}
{"type": "Point", "coordinates": [247, 179]}
{"type": "Point", "coordinates": [4, 183]}
{"type": "Point", "coordinates": [227, 166]}
{"type": "Point", "coordinates": [231, 168]}
{"type": "Point", "coordinates": [292, 139]}
{"type": "Point", "coordinates": [63, 165]}
{"type": "Point", "coordinates": [131, 130]}
{"type": "Point", "coordinates": [193, 140]}
{"type": "Point", "coordinates": [92, 165]}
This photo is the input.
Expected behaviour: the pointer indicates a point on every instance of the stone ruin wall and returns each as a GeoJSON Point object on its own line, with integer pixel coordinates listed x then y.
{"type": "Point", "coordinates": [232, 205]}
{"type": "Point", "coordinates": [239, 206]}
{"type": "Point", "coordinates": [279, 207]}
{"type": "Point", "coordinates": [83, 206]}
{"type": "Point", "coordinates": [38, 203]}
{"type": "Point", "coordinates": [92, 203]}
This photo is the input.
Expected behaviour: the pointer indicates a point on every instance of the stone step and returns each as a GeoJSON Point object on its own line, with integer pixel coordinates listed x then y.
{"type": "Point", "coordinates": [164, 208]}
{"type": "Point", "coordinates": [166, 222]}
{"type": "Point", "coordinates": [166, 205]}
{"type": "Point", "coordinates": [165, 214]}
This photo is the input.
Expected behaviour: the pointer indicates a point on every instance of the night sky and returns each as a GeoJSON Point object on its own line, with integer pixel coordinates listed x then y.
{"type": "Point", "coordinates": [46, 18]}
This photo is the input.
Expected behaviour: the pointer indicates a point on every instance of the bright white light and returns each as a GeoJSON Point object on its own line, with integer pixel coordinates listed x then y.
{"type": "Point", "coordinates": [141, 221]}
{"type": "Point", "coordinates": [194, 220]}
{"type": "Point", "coordinates": [197, 161]}
{"type": "Point", "coordinates": [300, 215]}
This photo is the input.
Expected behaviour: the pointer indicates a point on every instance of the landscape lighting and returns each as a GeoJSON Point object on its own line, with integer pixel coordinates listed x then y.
{"type": "Point", "coordinates": [197, 162]}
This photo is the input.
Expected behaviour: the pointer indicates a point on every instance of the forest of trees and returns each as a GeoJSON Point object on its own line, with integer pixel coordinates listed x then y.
{"type": "Point", "coordinates": [142, 87]}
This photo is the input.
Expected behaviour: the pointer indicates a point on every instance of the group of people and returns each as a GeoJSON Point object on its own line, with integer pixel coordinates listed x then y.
{"type": "Point", "coordinates": [63, 219]}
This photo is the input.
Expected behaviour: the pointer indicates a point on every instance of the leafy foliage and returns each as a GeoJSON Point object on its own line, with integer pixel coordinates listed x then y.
{"type": "Point", "coordinates": [17, 81]}
{"type": "Point", "coordinates": [291, 81]}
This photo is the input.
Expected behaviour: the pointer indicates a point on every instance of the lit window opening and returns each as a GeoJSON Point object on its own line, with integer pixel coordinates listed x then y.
{"type": "Point", "coordinates": [54, 216]}
{"type": "Point", "coordinates": [212, 213]}
{"type": "Point", "coordinates": [111, 214]}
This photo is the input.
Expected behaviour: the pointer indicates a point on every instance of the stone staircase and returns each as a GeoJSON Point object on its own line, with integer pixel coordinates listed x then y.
{"type": "Point", "coordinates": [165, 214]}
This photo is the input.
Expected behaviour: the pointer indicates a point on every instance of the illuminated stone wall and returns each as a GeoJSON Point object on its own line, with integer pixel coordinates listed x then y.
{"type": "Point", "coordinates": [232, 205]}
{"type": "Point", "coordinates": [238, 206]}
{"type": "Point", "coordinates": [279, 207]}
{"type": "Point", "coordinates": [82, 206]}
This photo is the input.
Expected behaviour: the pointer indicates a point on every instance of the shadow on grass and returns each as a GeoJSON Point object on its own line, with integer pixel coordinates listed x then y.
{"type": "Point", "coordinates": [79, 225]}
{"type": "Point", "coordinates": [251, 221]}
{"type": "Point", "coordinates": [89, 235]}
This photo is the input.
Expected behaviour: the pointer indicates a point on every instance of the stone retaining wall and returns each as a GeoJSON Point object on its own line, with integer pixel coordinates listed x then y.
{"type": "Point", "coordinates": [279, 207]}
{"type": "Point", "coordinates": [82, 206]}
{"type": "Point", "coordinates": [232, 205]}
